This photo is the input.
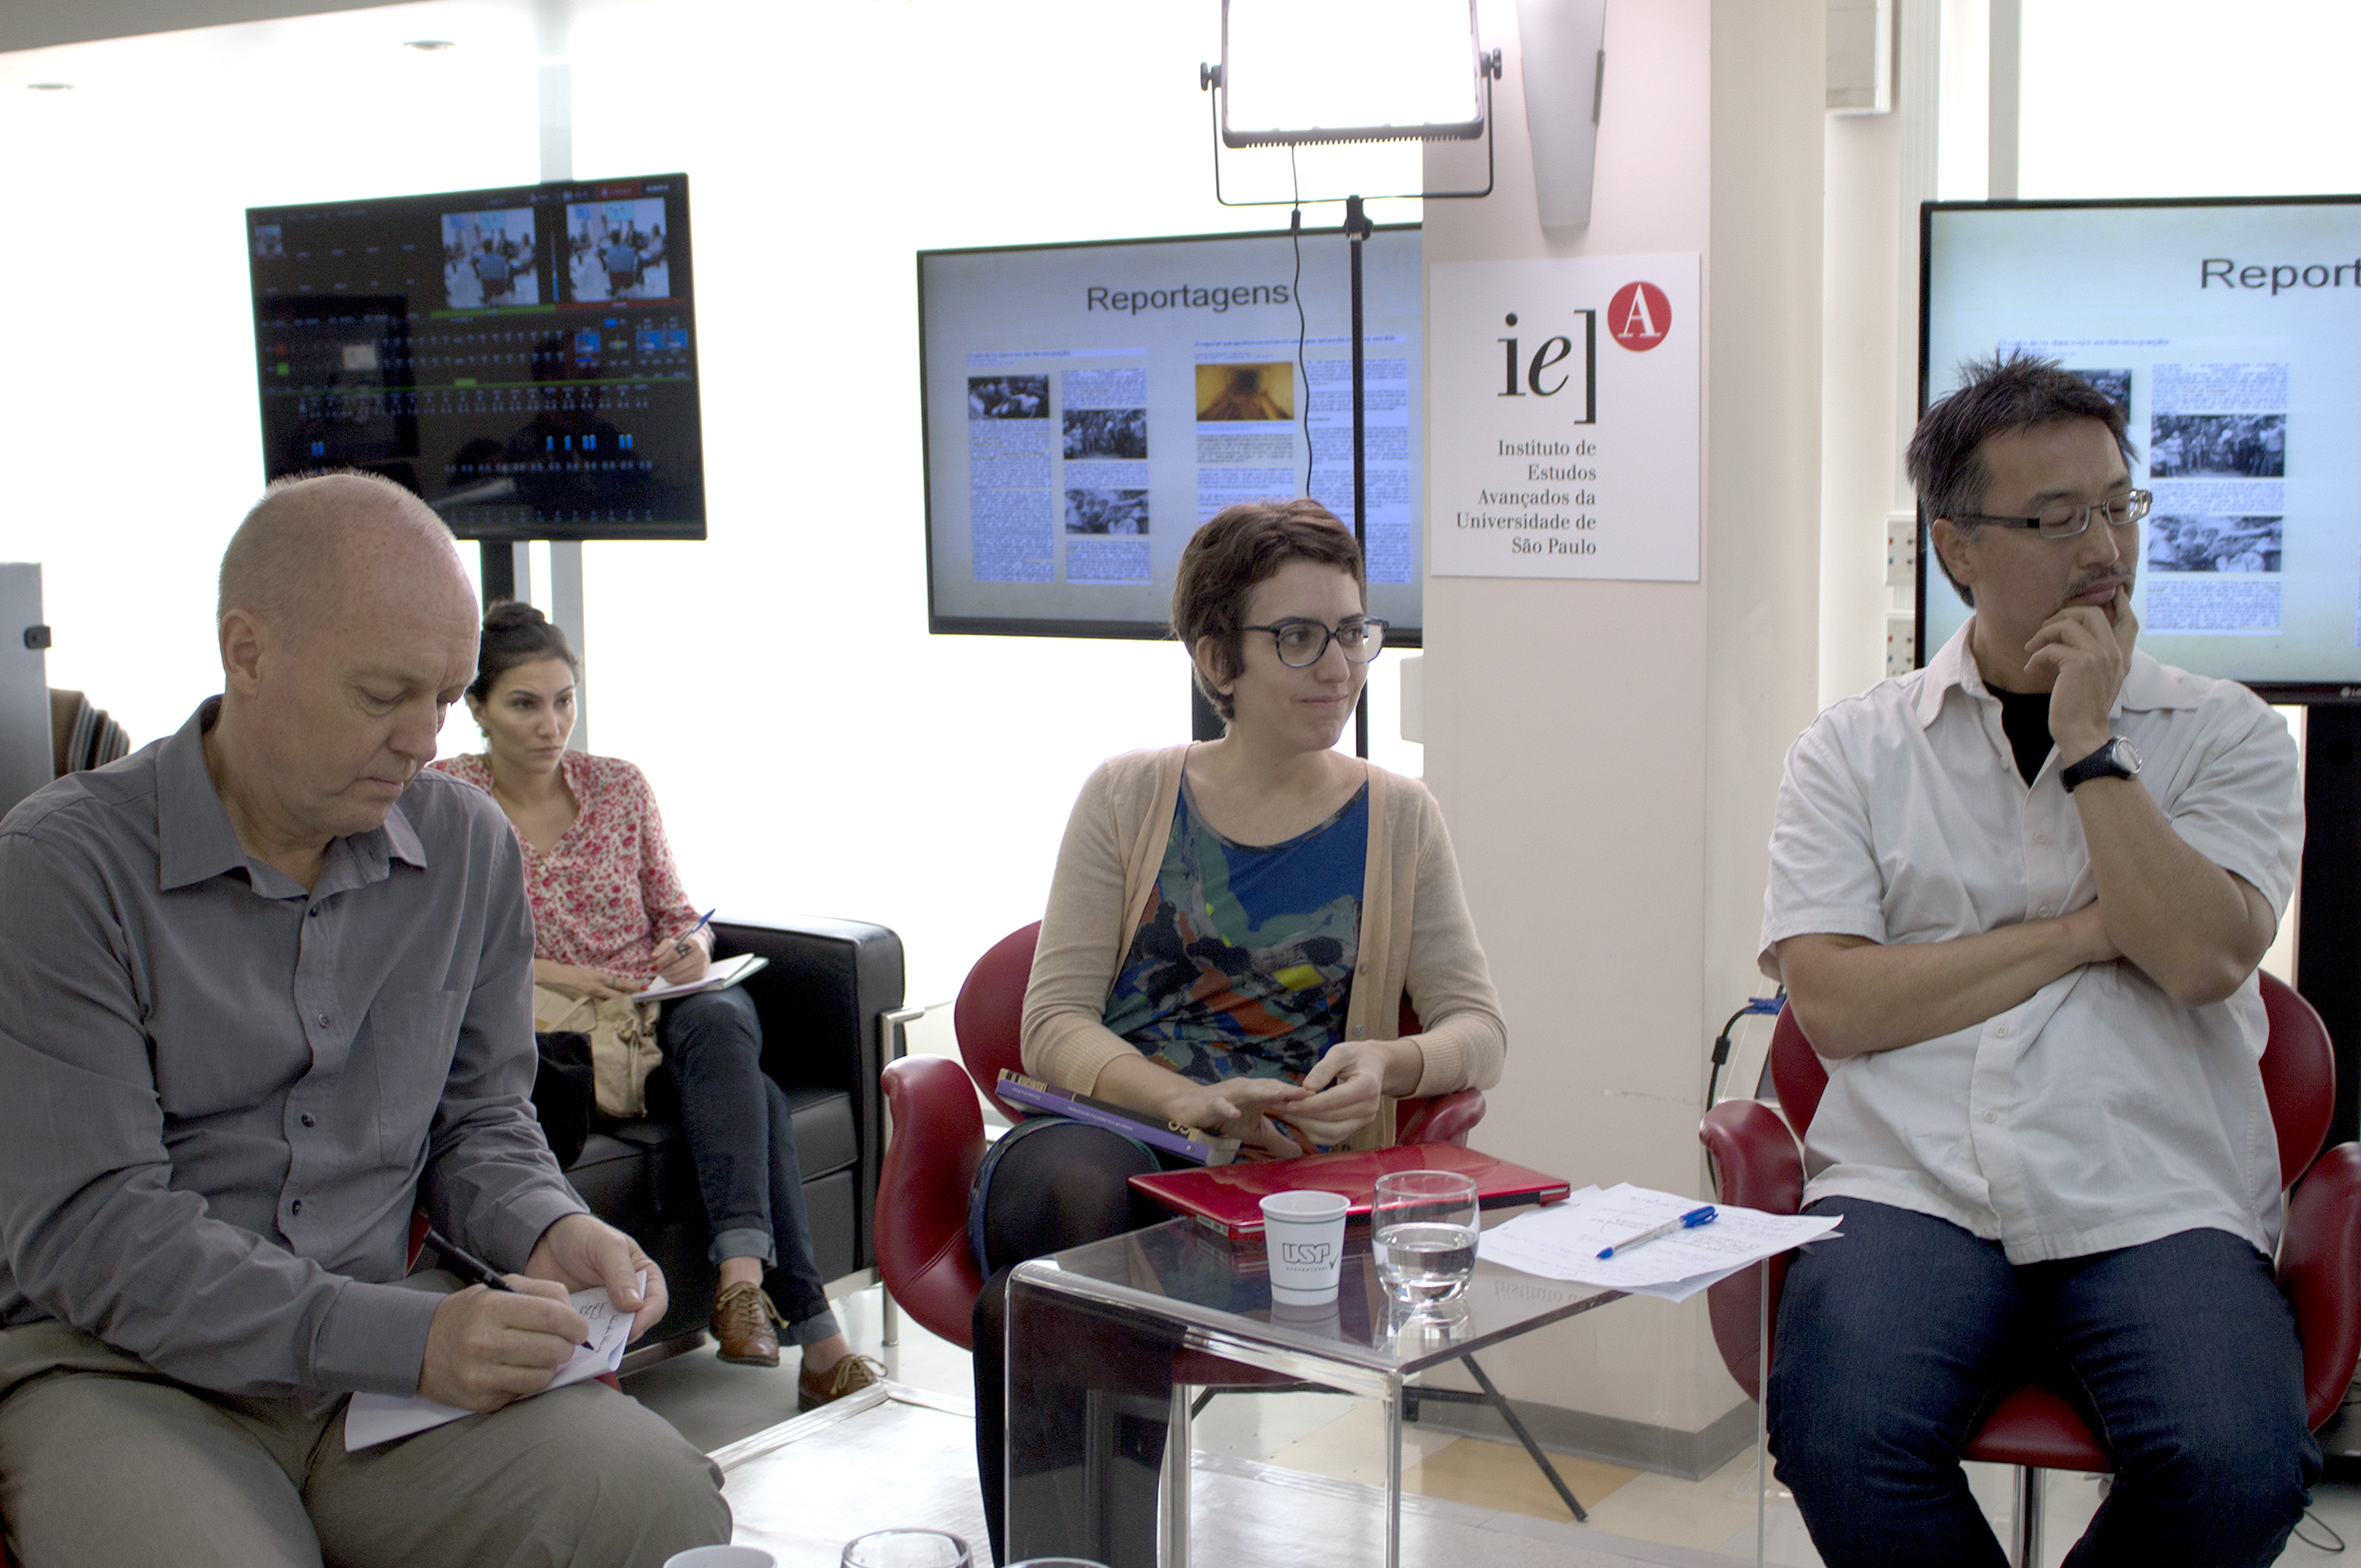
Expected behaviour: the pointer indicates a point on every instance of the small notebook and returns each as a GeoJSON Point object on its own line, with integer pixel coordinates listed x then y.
{"type": "Point", "coordinates": [1230, 1197]}
{"type": "Point", "coordinates": [717, 978]}
{"type": "Point", "coordinates": [1191, 1143]}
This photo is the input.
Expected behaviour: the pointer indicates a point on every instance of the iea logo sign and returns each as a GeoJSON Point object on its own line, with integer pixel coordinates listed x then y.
{"type": "Point", "coordinates": [1553, 453]}
{"type": "Point", "coordinates": [1640, 315]}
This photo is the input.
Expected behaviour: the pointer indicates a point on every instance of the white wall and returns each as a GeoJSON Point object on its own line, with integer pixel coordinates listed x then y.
{"type": "Point", "coordinates": [813, 749]}
{"type": "Point", "coordinates": [1608, 753]}
{"type": "Point", "coordinates": [2116, 98]}
{"type": "Point", "coordinates": [2188, 98]}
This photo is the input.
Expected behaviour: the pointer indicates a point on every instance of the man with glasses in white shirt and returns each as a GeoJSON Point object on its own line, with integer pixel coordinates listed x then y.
{"type": "Point", "coordinates": [2017, 898]}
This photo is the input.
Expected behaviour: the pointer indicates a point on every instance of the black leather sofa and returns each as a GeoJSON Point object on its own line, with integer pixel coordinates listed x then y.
{"type": "Point", "coordinates": [821, 999]}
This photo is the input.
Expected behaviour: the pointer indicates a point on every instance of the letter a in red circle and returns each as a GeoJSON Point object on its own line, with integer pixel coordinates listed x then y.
{"type": "Point", "coordinates": [1640, 315]}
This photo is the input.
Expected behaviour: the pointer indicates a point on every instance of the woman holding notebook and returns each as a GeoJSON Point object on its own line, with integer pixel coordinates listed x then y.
{"type": "Point", "coordinates": [610, 917]}
{"type": "Point", "coordinates": [1233, 926]}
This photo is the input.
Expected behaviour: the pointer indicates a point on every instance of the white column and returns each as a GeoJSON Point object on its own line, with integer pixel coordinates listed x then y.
{"type": "Point", "coordinates": [1608, 753]}
{"type": "Point", "coordinates": [556, 75]}
{"type": "Point", "coordinates": [2007, 74]}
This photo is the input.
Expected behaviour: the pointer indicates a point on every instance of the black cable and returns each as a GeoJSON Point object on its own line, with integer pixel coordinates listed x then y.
{"type": "Point", "coordinates": [1766, 1005]}
{"type": "Point", "coordinates": [2323, 1525]}
{"type": "Point", "coordinates": [1295, 237]}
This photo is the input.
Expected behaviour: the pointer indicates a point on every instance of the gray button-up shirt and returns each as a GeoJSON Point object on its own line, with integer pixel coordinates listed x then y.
{"type": "Point", "coordinates": [222, 1096]}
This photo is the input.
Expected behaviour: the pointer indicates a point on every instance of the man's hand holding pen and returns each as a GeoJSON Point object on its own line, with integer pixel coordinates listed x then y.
{"type": "Point", "coordinates": [489, 1346]}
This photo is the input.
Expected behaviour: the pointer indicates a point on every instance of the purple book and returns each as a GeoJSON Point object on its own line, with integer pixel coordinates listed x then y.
{"type": "Point", "coordinates": [1171, 1136]}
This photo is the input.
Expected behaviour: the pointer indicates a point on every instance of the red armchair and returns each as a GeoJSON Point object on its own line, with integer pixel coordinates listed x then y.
{"type": "Point", "coordinates": [1757, 1165]}
{"type": "Point", "coordinates": [938, 1140]}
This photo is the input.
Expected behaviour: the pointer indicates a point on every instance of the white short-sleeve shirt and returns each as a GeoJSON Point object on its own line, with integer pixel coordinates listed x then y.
{"type": "Point", "coordinates": [2097, 1113]}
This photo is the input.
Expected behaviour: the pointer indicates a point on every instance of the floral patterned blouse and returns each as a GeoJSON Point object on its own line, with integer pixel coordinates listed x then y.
{"type": "Point", "coordinates": [607, 890]}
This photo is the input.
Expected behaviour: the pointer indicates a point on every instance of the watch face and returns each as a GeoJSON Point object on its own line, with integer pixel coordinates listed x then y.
{"type": "Point", "coordinates": [2122, 755]}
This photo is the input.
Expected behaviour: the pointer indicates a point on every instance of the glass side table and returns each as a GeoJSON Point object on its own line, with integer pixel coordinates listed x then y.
{"type": "Point", "coordinates": [1109, 1342]}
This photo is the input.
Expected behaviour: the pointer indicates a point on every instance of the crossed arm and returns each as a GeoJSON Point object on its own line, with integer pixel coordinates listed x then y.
{"type": "Point", "coordinates": [2194, 928]}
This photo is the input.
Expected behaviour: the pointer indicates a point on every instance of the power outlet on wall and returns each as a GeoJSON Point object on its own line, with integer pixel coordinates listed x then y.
{"type": "Point", "coordinates": [1901, 638]}
{"type": "Point", "coordinates": [1901, 549]}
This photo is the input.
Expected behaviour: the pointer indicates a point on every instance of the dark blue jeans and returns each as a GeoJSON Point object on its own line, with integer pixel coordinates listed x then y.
{"type": "Point", "coordinates": [1895, 1339]}
{"type": "Point", "coordinates": [742, 1139]}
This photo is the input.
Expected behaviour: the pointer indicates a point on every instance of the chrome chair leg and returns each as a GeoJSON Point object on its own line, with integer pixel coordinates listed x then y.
{"type": "Point", "coordinates": [1173, 1515]}
{"type": "Point", "coordinates": [2025, 1533]}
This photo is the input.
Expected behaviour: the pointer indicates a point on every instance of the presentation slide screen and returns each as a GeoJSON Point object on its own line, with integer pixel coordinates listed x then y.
{"type": "Point", "coordinates": [524, 359]}
{"type": "Point", "coordinates": [2232, 332]}
{"type": "Point", "coordinates": [1088, 405]}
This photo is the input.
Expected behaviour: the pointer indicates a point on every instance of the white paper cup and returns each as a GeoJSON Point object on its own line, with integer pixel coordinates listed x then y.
{"type": "Point", "coordinates": [1304, 1233]}
{"type": "Point", "coordinates": [721, 1557]}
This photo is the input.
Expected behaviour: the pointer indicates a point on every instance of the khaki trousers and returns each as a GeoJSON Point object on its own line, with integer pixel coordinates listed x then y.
{"type": "Point", "coordinates": [104, 1461]}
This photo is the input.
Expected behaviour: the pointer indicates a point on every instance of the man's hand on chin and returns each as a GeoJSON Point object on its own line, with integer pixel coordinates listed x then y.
{"type": "Point", "coordinates": [580, 1252]}
{"type": "Point", "coordinates": [2087, 650]}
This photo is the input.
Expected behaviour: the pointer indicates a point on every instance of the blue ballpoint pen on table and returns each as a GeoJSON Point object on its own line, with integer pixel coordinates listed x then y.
{"type": "Point", "coordinates": [1688, 1221]}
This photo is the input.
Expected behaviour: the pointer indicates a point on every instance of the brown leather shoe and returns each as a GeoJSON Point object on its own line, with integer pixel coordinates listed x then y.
{"type": "Point", "coordinates": [743, 1314]}
{"type": "Point", "coordinates": [853, 1373]}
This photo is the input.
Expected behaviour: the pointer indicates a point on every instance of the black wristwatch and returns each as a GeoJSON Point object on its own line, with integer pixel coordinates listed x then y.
{"type": "Point", "coordinates": [2115, 759]}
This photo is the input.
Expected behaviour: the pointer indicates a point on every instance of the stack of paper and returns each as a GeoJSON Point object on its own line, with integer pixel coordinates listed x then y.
{"type": "Point", "coordinates": [1563, 1241]}
{"type": "Point", "coordinates": [718, 976]}
{"type": "Point", "coordinates": [371, 1420]}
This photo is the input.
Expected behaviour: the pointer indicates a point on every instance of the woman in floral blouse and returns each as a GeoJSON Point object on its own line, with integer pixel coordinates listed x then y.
{"type": "Point", "coordinates": [609, 917]}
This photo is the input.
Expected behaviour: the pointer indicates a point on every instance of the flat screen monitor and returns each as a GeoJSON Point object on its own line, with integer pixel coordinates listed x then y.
{"type": "Point", "coordinates": [524, 359]}
{"type": "Point", "coordinates": [2232, 331]}
{"type": "Point", "coordinates": [1088, 405]}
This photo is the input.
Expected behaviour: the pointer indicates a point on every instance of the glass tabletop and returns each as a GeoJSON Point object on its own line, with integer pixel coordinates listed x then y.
{"type": "Point", "coordinates": [1188, 1273]}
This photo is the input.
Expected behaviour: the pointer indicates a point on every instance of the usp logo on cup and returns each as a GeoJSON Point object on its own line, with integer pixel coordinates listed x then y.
{"type": "Point", "coordinates": [1305, 1234]}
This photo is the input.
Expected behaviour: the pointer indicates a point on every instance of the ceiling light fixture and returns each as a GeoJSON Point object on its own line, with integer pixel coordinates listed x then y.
{"type": "Point", "coordinates": [49, 87]}
{"type": "Point", "coordinates": [428, 45]}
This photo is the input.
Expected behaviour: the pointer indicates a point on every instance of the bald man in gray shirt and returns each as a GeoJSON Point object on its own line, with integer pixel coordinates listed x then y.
{"type": "Point", "coordinates": [265, 989]}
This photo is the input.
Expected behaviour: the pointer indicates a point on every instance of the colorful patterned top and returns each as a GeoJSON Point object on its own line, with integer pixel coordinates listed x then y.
{"type": "Point", "coordinates": [608, 888]}
{"type": "Point", "coordinates": [1243, 962]}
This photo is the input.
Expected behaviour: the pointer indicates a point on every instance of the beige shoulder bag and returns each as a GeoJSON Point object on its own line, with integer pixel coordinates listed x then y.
{"type": "Point", "coordinates": [622, 1043]}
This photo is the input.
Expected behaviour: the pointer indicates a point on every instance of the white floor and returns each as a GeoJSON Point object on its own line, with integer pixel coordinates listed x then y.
{"type": "Point", "coordinates": [803, 1489]}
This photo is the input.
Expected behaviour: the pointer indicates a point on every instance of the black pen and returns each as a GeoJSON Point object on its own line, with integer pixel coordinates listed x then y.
{"type": "Point", "coordinates": [464, 1263]}
{"type": "Point", "coordinates": [472, 1268]}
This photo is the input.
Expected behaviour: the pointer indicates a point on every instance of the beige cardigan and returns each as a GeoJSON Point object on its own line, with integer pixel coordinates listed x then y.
{"type": "Point", "coordinates": [1415, 934]}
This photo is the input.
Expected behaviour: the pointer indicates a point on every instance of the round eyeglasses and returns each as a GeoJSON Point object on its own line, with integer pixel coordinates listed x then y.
{"type": "Point", "coordinates": [1303, 644]}
{"type": "Point", "coordinates": [2068, 518]}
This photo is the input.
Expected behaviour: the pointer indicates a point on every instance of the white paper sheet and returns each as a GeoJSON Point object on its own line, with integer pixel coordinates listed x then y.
{"type": "Point", "coordinates": [371, 1420]}
{"type": "Point", "coordinates": [1562, 1241]}
{"type": "Point", "coordinates": [716, 976]}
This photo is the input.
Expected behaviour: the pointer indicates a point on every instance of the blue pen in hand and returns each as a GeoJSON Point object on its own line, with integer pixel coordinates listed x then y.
{"type": "Point", "coordinates": [681, 942]}
{"type": "Point", "coordinates": [1688, 1221]}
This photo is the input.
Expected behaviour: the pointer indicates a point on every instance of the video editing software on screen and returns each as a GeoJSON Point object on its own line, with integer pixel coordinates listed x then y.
{"type": "Point", "coordinates": [524, 359]}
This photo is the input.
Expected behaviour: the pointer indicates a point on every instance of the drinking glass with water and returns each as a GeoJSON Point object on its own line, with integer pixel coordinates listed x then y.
{"type": "Point", "coordinates": [1422, 1235]}
{"type": "Point", "coordinates": [908, 1549]}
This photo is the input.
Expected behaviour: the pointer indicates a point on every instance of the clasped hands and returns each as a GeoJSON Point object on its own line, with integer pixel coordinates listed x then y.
{"type": "Point", "coordinates": [487, 1347]}
{"type": "Point", "coordinates": [1336, 1099]}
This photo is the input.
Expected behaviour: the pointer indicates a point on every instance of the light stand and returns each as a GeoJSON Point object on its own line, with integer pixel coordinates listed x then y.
{"type": "Point", "coordinates": [1357, 229]}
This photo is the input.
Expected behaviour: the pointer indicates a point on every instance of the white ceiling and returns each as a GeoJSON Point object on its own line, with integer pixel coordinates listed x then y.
{"type": "Point", "coordinates": [42, 24]}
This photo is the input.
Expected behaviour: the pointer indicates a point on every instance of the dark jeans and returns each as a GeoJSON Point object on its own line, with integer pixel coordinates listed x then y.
{"type": "Point", "coordinates": [1897, 1338]}
{"type": "Point", "coordinates": [742, 1140]}
{"type": "Point", "coordinates": [1064, 1185]}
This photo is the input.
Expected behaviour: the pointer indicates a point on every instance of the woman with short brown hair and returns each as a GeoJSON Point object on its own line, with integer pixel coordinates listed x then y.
{"type": "Point", "coordinates": [1233, 926]}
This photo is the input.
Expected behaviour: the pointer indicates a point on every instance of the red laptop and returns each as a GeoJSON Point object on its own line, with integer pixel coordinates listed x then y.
{"type": "Point", "coordinates": [1230, 1197]}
